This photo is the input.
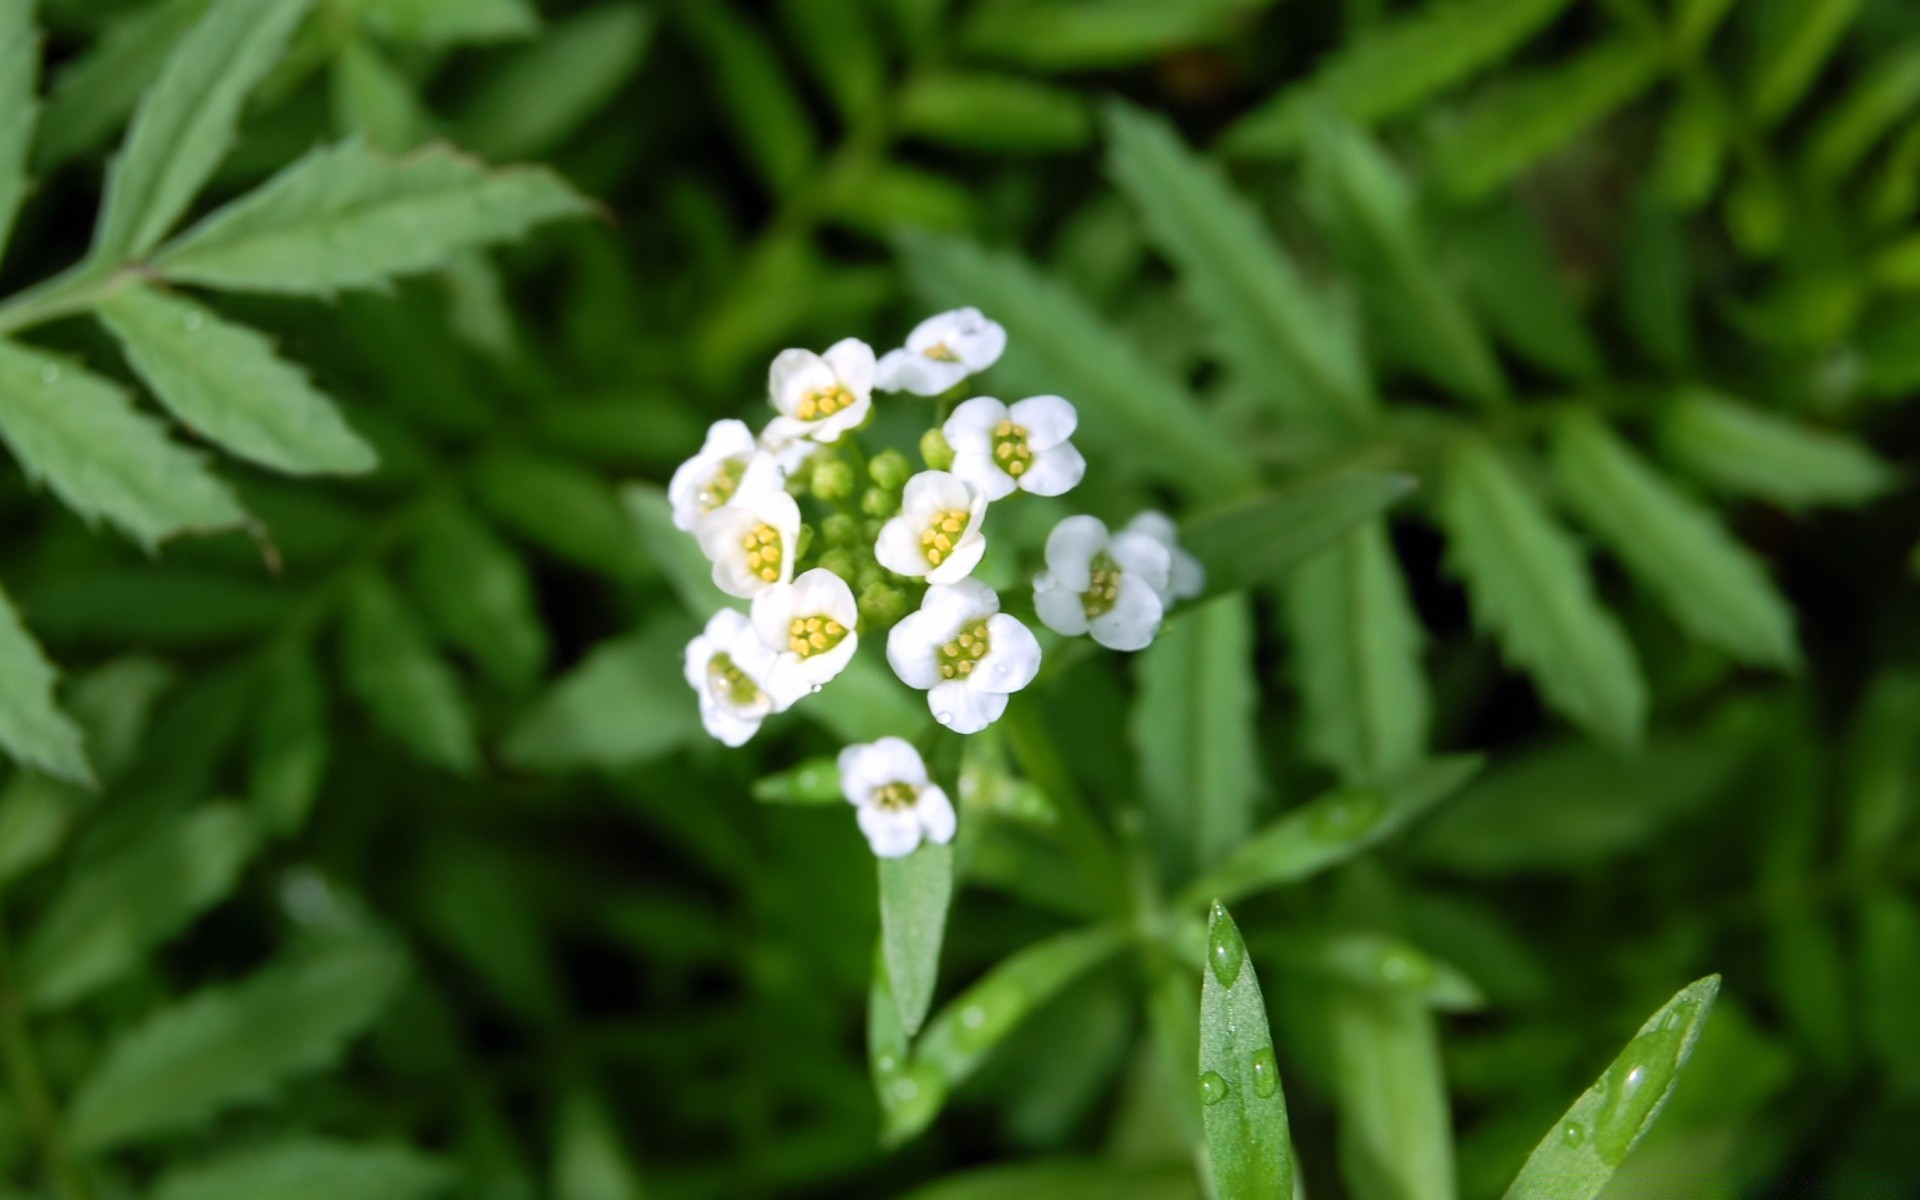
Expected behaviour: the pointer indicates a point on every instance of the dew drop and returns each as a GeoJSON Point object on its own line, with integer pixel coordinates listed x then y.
{"type": "Point", "coordinates": [1635, 1084]}
{"type": "Point", "coordinates": [815, 689]}
{"type": "Point", "coordinates": [1213, 1088]}
{"type": "Point", "coordinates": [192, 321]}
{"type": "Point", "coordinates": [49, 374]}
{"type": "Point", "coordinates": [1266, 1073]}
{"type": "Point", "coordinates": [1405, 968]}
{"type": "Point", "coordinates": [1346, 816]}
{"type": "Point", "coordinates": [1226, 953]}
{"type": "Point", "coordinates": [973, 1016]}
{"type": "Point", "coordinates": [943, 718]}
{"type": "Point", "coordinates": [905, 1089]}
{"type": "Point", "coordinates": [1572, 1134]}
{"type": "Point", "coordinates": [886, 1064]}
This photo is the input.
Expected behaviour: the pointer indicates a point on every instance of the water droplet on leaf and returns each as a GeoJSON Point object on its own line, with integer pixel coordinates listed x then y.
{"type": "Point", "coordinates": [1572, 1134]}
{"type": "Point", "coordinates": [1346, 816]}
{"type": "Point", "coordinates": [1635, 1083]}
{"type": "Point", "coordinates": [1266, 1073]}
{"type": "Point", "coordinates": [1213, 1088]}
{"type": "Point", "coordinates": [1225, 951]}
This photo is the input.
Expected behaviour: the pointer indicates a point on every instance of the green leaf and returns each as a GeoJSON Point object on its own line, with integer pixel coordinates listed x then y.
{"type": "Point", "coordinates": [622, 705]}
{"type": "Point", "coordinates": [1390, 68]}
{"type": "Point", "coordinates": [187, 120]}
{"type": "Point", "coordinates": [589, 1162]}
{"type": "Point", "coordinates": [1396, 1140]}
{"type": "Point", "coordinates": [32, 728]}
{"type": "Point", "coordinates": [1889, 982]}
{"type": "Point", "coordinates": [410, 691]}
{"type": "Point", "coordinates": [564, 509]}
{"type": "Point", "coordinates": [1242, 1107]}
{"type": "Point", "coordinates": [114, 704]}
{"type": "Point", "coordinates": [375, 101]}
{"type": "Point", "coordinates": [1065, 1179]}
{"type": "Point", "coordinates": [1531, 114]}
{"type": "Point", "coordinates": [290, 743]}
{"type": "Point", "coordinates": [1584, 1148]}
{"type": "Point", "coordinates": [1356, 642]}
{"type": "Point", "coordinates": [1717, 589]}
{"type": "Point", "coordinates": [1694, 141]}
{"type": "Point", "coordinates": [1065, 35]}
{"type": "Point", "coordinates": [1795, 39]}
{"type": "Point", "coordinates": [96, 91]}
{"type": "Point", "coordinates": [479, 596]}
{"type": "Point", "coordinates": [1530, 587]}
{"type": "Point", "coordinates": [227, 383]}
{"type": "Point", "coordinates": [471, 897]}
{"type": "Point", "coordinates": [676, 554]}
{"type": "Point", "coordinates": [1271, 327]}
{"type": "Point", "coordinates": [767, 117]}
{"type": "Point", "coordinates": [1330, 829]}
{"type": "Point", "coordinates": [915, 892]}
{"type": "Point", "coordinates": [974, 110]}
{"type": "Point", "coordinates": [1747, 452]}
{"type": "Point", "coordinates": [304, 1168]}
{"type": "Point", "coordinates": [36, 814]}
{"type": "Point", "coordinates": [1508, 272]}
{"type": "Point", "coordinates": [1657, 284]}
{"type": "Point", "coordinates": [842, 45]}
{"type": "Point", "coordinates": [530, 104]}
{"type": "Point", "coordinates": [1883, 96]}
{"type": "Point", "coordinates": [1057, 344]}
{"type": "Point", "coordinates": [1194, 734]}
{"type": "Point", "coordinates": [815, 781]}
{"type": "Point", "coordinates": [118, 907]}
{"type": "Point", "coordinates": [1381, 960]}
{"type": "Point", "coordinates": [226, 1046]}
{"type": "Point", "coordinates": [347, 216]}
{"type": "Point", "coordinates": [1255, 542]}
{"type": "Point", "coordinates": [438, 22]}
{"type": "Point", "coordinates": [81, 435]}
{"type": "Point", "coordinates": [19, 105]}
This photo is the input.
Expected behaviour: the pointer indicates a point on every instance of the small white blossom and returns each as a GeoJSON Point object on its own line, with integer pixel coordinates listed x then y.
{"type": "Point", "coordinates": [998, 449]}
{"type": "Point", "coordinates": [1188, 578]}
{"type": "Point", "coordinates": [710, 478]}
{"type": "Point", "coordinates": [938, 532]}
{"type": "Point", "coordinates": [820, 396]}
{"type": "Point", "coordinates": [752, 538]}
{"type": "Point", "coordinates": [895, 803]}
{"type": "Point", "coordinates": [965, 653]}
{"type": "Point", "coordinates": [809, 626]}
{"type": "Point", "coordinates": [941, 351]}
{"type": "Point", "coordinates": [1108, 586]}
{"type": "Point", "coordinates": [727, 666]}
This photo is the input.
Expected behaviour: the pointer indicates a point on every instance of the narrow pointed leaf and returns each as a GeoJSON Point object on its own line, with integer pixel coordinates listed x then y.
{"type": "Point", "coordinates": [759, 101]}
{"type": "Point", "coordinates": [1508, 271]}
{"type": "Point", "coordinates": [437, 22]}
{"type": "Point", "coordinates": [80, 434]}
{"type": "Point", "coordinates": [305, 1168]}
{"type": "Point", "coordinates": [187, 120]}
{"type": "Point", "coordinates": [589, 1163]}
{"type": "Point", "coordinates": [1796, 38]}
{"type": "Point", "coordinates": [1747, 452]}
{"type": "Point", "coordinates": [975, 110]}
{"type": "Point", "coordinates": [19, 105]}
{"type": "Point", "coordinates": [623, 704]}
{"type": "Point", "coordinates": [480, 596]}
{"type": "Point", "coordinates": [915, 891]}
{"type": "Point", "coordinates": [1396, 1134]}
{"type": "Point", "coordinates": [1886, 92]}
{"type": "Point", "coordinates": [1257, 541]}
{"type": "Point", "coordinates": [1242, 1105]}
{"type": "Point", "coordinates": [93, 94]}
{"type": "Point", "coordinates": [678, 556]}
{"type": "Point", "coordinates": [408, 688]}
{"type": "Point", "coordinates": [1063, 35]}
{"type": "Point", "coordinates": [1530, 587]}
{"type": "Point", "coordinates": [33, 730]}
{"type": "Point", "coordinates": [290, 742]}
{"type": "Point", "coordinates": [1584, 1148]}
{"type": "Point", "coordinates": [531, 104]}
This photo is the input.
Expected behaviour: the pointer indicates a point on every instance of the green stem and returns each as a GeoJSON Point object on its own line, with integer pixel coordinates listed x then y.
{"type": "Point", "coordinates": [73, 291]}
{"type": "Point", "coordinates": [30, 1086]}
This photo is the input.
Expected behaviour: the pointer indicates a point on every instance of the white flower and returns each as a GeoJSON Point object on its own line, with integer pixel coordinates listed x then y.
{"type": "Point", "coordinates": [1188, 578]}
{"type": "Point", "coordinates": [998, 449]}
{"type": "Point", "coordinates": [941, 351]}
{"type": "Point", "coordinates": [895, 803]}
{"type": "Point", "coordinates": [938, 532]}
{"type": "Point", "coordinates": [752, 538]}
{"type": "Point", "coordinates": [1109, 586]}
{"type": "Point", "coordinates": [820, 396]}
{"type": "Point", "coordinates": [710, 478]}
{"type": "Point", "coordinates": [809, 626]}
{"type": "Point", "coordinates": [727, 665]}
{"type": "Point", "coordinates": [965, 653]}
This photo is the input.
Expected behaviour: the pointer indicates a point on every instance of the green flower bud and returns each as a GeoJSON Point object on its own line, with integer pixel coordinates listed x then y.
{"type": "Point", "coordinates": [842, 562]}
{"type": "Point", "coordinates": [833, 479]}
{"type": "Point", "coordinates": [878, 502]}
{"type": "Point", "coordinates": [843, 529]}
{"type": "Point", "coordinates": [882, 604]}
{"type": "Point", "coordinates": [890, 470]}
{"type": "Point", "coordinates": [805, 540]}
{"type": "Point", "coordinates": [934, 448]}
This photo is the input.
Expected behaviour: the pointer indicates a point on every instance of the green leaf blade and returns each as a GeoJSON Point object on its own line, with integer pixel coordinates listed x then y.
{"type": "Point", "coordinates": [32, 728]}
{"type": "Point", "coordinates": [915, 892]}
{"type": "Point", "coordinates": [1257, 541]}
{"type": "Point", "coordinates": [1242, 1105]}
{"type": "Point", "coordinates": [304, 1168]}
{"type": "Point", "coordinates": [1747, 452]}
{"type": "Point", "coordinates": [410, 690]}
{"type": "Point", "coordinates": [536, 100]}
{"type": "Point", "coordinates": [19, 105]}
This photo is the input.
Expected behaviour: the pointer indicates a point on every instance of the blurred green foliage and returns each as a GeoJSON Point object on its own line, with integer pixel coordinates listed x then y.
{"type": "Point", "coordinates": [365, 840]}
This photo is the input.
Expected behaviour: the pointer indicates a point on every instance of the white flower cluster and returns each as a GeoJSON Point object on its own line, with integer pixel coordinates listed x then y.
{"type": "Point", "coordinates": [737, 498]}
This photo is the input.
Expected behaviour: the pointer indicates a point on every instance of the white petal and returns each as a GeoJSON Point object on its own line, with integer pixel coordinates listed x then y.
{"type": "Point", "coordinates": [819, 670]}
{"type": "Point", "coordinates": [1156, 525]}
{"type": "Point", "coordinates": [932, 492]}
{"type": "Point", "coordinates": [1071, 548]}
{"type": "Point", "coordinates": [1054, 471]}
{"type": "Point", "coordinates": [852, 362]}
{"type": "Point", "coordinates": [793, 374]}
{"type": "Point", "coordinates": [1048, 420]}
{"type": "Point", "coordinates": [906, 371]}
{"type": "Point", "coordinates": [981, 341]}
{"type": "Point", "coordinates": [964, 708]}
{"type": "Point", "coordinates": [1060, 608]}
{"type": "Point", "coordinates": [959, 564]}
{"type": "Point", "coordinates": [1012, 658]}
{"type": "Point", "coordinates": [898, 548]}
{"type": "Point", "coordinates": [873, 765]}
{"type": "Point", "coordinates": [725, 724]}
{"type": "Point", "coordinates": [969, 430]}
{"type": "Point", "coordinates": [821, 593]}
{"type": "Point", "coordinates": [966, 601]}
{"type": "Point", "coordinates": [788, 682]}
{"type": "Point", "coordinates": [1142, 556]}
{"type": "Point", "coordinates": [899, 762]}
{"type": "Point", "coordinates": [985, 475]}
{"type": "Point", "coordinates": [935, 812]}
{"type": "Point", "coordinates": [1134, 618]}
{"type": "Point", "coordinates": [893, 833]}
{"type": "Point", "coordinates": [859, 773]}
{"type": "Point", "coordinates": [911, 647]}
{"type": "Point", "coordinates": [773, 616]}
{"type": "Point", "coordinates": [940, 329]}
{"type": "Point", "coordinates": [700, 652]}
{"type": "Point", "coordinates": [1189, 577]}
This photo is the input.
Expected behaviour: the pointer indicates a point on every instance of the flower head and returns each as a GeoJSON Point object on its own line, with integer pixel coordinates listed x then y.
{"type": "Point", "coordinates": [937, 534]}
{"type": "Point", "coordinates": [808, 625]}
{"type": "Point", "coordinates": [998, 449]}
{"type": "Point", "coordinates": [896, 805]}
{"type": "Point", "coordinates": [1108, 586]}
{"type": "Point", "coordinates": [1187, 578]}
{"type": "Point", "coordinates": [727, 666]}
{"type": "Point", "coordinates": [711, 477]}
{"type": "Point", "coordinates": [941, 351]}
{"type": "Point", "coordinates": [965, 653]}
{"type": "Point", "coordinates": [820, 396]}
{"type": "Point", "coordinates": [752, 538]}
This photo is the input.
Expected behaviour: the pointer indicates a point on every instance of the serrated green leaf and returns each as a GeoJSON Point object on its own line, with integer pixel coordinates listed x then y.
{"type": "Point", "coordinates": [1242, 1105]}
{"type": "Point", "coordinates": [187, 120]}
{"type": "Point", "coordinates": [304, 1168]}
{"type": "Point", "coordinates": [1747, 452]}
{"type": "Point", "coordinates": [1508, 272]}
{"type": "Point", "coordinates": [374, 101]}
{"type": "Point", "coordinates": [1715, 588]}
{"type": "Point", "coordinates": [1394, 66]}
{"type": "Point", "coordinates": [1330, 829]}
{"type": "Point", "coordinates": [768, 119]}
{"type": "Point", "coordinates": [1194, 735]}
{"type": "Point", "coordinates": [1530, 115]}
{"type": "Point", "coordinates": [1355, 642]}
{"type": "Point", "coordinates": [32, 728]}
{"type": "Point", "coordinates": [226, 1046]}
{"type": "Point", "coordinates": [915, 892]}
{"type": "Point", "coordinates": [1530, 586]}
{"type": "Point", "coordinates": [479, 596]}
{"type": "Point", "coordinates": [441, 21]}
{"type": "Point", "coordinates": [1063, 35]}
{"type": "Point", "coordinates": [1056, 344]}
{"type": "Point", "coordinates": [619, 707]}
{"type": "Point", "coordinates": [1584, 1148]}
{"type": "Point", "coordinates": [534, 101]}
{"type": "Point", "coordinates": [1271, 327]}
{"type": "Point", "coordinates": [975, 110]}
{"type": "Point", "coordinates": [120, 906]}
{"type": "Point", "coordinates": [95, 92]}
{"type": "Point", "coordinates": [19, 105]}
{"type": "Point", "coordinates": [1794, 41]}
{"type": "Point", "coordinates": [409, 690]}
{"type": "Point", "coordinates": [81, 435]}
{"type": "Point", "coordinates": [346, 216]}
{"type": "Point", "coordinates": [227, 383]}
{"type": "Point", "coordinates": [290, 741]}
{"type": "Point", "coordinates": [1255, 542]}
